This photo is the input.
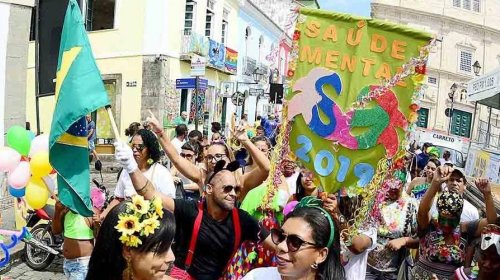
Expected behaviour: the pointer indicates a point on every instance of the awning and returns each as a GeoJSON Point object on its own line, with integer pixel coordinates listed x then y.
{"type": "Point", "coordinates": [485, 89]}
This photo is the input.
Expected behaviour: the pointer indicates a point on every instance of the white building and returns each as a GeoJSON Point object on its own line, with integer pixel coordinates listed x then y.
{"type": "Point", "coordinates": [15, 18]}
{"type": "Point", "coordinates": [467, 31]}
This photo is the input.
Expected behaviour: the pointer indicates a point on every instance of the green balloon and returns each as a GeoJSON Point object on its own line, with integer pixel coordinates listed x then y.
{"type": "Point", "coordinates": [18, 139]}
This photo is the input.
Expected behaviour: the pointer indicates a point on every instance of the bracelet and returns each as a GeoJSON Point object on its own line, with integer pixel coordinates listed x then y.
{"type": "Point", "coordinates": [143, 190]}
{"type": "Point", "coordinates": [159, 132]}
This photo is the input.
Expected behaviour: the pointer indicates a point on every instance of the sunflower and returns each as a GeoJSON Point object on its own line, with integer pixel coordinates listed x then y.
{"type": "Point", "coordinates": [158, 206]}
{"type": "Point", "coordinates": [149, 225]}
{"type": "Point", "coordinates": [139, 205]}
{"type": "Point", "coordinates": [128, 224]}
{"type": "Point", "coordinates": [130, 240]}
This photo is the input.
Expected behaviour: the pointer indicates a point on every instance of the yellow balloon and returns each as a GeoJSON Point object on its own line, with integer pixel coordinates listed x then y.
{"type": "Point", "coordinates": [37, 194]}
{"type": "Point", "coordinates": [39, 164]}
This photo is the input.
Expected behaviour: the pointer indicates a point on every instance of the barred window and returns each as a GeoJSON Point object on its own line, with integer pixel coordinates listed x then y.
{"type": "Point", "coordinates": [465, 61]}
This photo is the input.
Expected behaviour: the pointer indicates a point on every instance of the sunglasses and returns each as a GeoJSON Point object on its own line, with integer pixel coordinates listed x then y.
{"type": "Point", "coordinates": [293, 241]}
{"type": "Point", "coordinates": [229, 189]}
{"type": "Point", "coordinates": [453, 222]}
{"type": "Point", "coordinates": [138, 147]}
{"type": "Point", "coordinates": [217, 157]}
{"type": "Point", "coordinates": [188, 156]}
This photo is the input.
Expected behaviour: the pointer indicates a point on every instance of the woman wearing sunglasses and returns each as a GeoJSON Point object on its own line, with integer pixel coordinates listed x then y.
{"type": "Point", "coordinates": [216, 151]}
{"type": "Point", "coordinates": [443, 242]}
{"type": "Point", "coordinates": [307, 246]}
{"type": "Point", "coordinates": [305, 186]}
{"type": "Point", "coordinates": [147, 154]}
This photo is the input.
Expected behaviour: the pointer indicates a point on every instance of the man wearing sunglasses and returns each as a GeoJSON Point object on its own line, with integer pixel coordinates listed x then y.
{"type": "Point", "coordinates": [207, 233]}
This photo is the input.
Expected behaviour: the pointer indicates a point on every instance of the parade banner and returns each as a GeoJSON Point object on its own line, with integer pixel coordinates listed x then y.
{"type": "Point", "coordinates": [353, 82]}
{"type": "Point", "coordinates": [231, 62]}
{"type": "Point", "coordinates": [216, 54]}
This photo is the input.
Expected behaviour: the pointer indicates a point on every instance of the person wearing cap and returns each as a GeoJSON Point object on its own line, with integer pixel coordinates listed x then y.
{"type": "Point", "coordinates": [443, 241]}
{"type": "Point", "coordinates": [458, 183]}
{"type": "Point", "coordinates": [423, 157]}
{"type": "Point", "coordinates": [488, 266]}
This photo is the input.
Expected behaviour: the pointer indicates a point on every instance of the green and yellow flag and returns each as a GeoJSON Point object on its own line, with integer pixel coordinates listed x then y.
{"type": "Point", "coordinates": [79, 91]}
{"type": "Point", "coordinates": [354, 84]}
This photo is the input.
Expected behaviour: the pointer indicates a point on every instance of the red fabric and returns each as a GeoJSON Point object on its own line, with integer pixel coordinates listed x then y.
{"type": "Point", "coordinates": [194, 236]}
{"type": "Point", "coordinates": [180, 274]}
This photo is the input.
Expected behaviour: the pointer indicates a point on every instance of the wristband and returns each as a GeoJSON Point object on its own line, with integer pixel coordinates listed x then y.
{"type": "Point", "coordinates": [159, 132]}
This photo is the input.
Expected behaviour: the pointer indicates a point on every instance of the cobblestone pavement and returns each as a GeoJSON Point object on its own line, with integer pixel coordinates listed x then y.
{"type": "Point", "coordinates": [22, 272]}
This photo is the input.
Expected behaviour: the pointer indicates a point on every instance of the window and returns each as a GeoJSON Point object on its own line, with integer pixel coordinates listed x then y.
{"type": "Point", "coordinates": [471, 5]}
{"type": "Point", "coordinates": [476, 5]}
{"type": "Point", "coordinates": [100, 15]}
{"type": "Point", "coordinates": [224, 32]}
{"type": "Point", "coordinates": [432, 80]}
{"type": "Point", "coordinates": [189, 17]}
{"type": "Point", "coordinates": [465, 61]}
{"type": "Point", "coordinates": [208, 23]}
{"type": "Point", "coordinates": [423, 117]}
{"type": "Point", "coordinates": [211, 5]}
{"type": "Point", "coordinates": [460, 123]}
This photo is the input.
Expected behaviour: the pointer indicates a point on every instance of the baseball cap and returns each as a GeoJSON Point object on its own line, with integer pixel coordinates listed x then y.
{"type": "Point", "coordinates": [459, 173]}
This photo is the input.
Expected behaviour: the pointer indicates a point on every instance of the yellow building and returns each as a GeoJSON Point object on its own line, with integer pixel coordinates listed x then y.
{"type": "Point", "coordinates": [141, 47]}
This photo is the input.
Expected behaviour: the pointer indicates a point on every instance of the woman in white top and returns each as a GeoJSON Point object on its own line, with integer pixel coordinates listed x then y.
{"type": "Point", "coordinates": [307, 246]}
{"type": "Point", "coordinates": [147, 155]}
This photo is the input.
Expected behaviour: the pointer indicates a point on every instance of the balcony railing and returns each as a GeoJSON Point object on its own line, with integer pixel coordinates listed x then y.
{"type": "Point", "coordinates": [218, 56]}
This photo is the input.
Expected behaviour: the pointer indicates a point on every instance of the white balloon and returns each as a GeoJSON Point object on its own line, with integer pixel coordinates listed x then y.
{"type": "Point", "coordinates": [39, 143]}
{"type": "Point", "coordinates": [9, 159]}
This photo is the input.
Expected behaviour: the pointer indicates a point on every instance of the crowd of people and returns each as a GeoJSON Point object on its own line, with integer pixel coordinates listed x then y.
{"type": "Point", "coordinates": [185, 206]}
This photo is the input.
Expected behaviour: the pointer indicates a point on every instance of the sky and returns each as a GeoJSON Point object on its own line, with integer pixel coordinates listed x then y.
{"type": "Point", "coordinates": [355, 7]}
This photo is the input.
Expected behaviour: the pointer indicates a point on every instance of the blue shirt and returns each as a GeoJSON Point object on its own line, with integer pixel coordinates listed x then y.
{"type": "Point", "coordinates": [91, 125]}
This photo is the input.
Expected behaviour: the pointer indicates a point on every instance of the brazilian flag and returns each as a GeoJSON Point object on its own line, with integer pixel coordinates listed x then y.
{"type": "Point", "coordinates": [79, 91]}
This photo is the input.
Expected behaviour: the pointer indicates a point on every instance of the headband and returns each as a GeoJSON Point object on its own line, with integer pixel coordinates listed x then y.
{"type": "Point", "coordinates": [313, 202]}
{"type": "Point", "coordinates": [221, 165]}
{"type": "Point", "coordinates": [141, 218]}
{"type": "Point", "coordinates": [450, 203]}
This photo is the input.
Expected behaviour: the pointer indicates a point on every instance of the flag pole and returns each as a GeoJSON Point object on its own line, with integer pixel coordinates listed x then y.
{"type": "Point", "coordinates": [113, 123]}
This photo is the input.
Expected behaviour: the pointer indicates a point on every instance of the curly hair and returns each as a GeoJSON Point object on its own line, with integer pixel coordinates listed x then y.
{"type": "Point", "coordinates": [151, 142]}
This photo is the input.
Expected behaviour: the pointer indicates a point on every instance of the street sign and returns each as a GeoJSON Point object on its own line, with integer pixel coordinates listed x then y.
{"type": "Point", "coordinates": [190, 83]}
{"type": "Point", "coordinates": [198, 64]}
{"type": "Point", "coordinates": [485, 89]}
{"type": "Point", "coordinates": [237, 98]}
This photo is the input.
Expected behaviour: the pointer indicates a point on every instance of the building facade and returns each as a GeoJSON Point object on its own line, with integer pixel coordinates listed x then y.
{"type": "Point", "coordinates": [466, 31]}
{"type": "Point", "coordinates": [14, 33]}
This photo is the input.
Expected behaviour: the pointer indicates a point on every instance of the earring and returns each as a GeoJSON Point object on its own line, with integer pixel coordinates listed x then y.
{"type": "Point", "coordinates": [314, 266]}
{"type": "Point", "coordinates": [150, 161]}
{"type": "Point", "coordinates": [129, 274]}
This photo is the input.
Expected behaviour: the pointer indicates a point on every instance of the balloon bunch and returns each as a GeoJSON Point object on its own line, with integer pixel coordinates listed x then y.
{"type": "Point", "coordinates": [15, 237]}
{"type": "Point", "coordinates": [26, 161]}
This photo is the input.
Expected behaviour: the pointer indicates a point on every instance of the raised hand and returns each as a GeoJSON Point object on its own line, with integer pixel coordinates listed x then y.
{"type": "Point", "coordinates": [154, 122]}
{"type": "Point", "coordinates": [483, 185]}
{"type": "Point", "coordinates": [125, 156]}
{"type": "Point", "coordinates": [442, 174]}
{"type": "Point", "coordinates": [240, 134]}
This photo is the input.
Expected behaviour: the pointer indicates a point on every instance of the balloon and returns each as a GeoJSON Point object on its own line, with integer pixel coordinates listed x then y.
{"type": "Point", "coordinates": [9, 159]}
{"type": "Point", "coordinates": [37, 194]}
{"type": "Point", "coordinates": [20, 176]}
{"type": "Point", "coordinates": [40, 143]}
{"type": "Point", "coordinates": [17, 192]}
{"type": "Point", "coordinates": [31, 134]}
{"type": "Point", "coordinates": [40, 165]}
{"type": "Point", "coordinates": [18, 139]}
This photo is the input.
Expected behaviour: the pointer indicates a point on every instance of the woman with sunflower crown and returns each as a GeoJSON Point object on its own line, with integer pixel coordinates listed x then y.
{"type": "Point", "coordinates": [134, 242]}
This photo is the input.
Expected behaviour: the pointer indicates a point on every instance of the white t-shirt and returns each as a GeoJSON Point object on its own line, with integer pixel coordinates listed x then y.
{"type": "Point", "coordinates": [162, 181]}
{"type": "Point", "coordinates": [355, 268]}
{"type": "Point", "coordinates": [177, 144]}
{"type": "Point", "coordinates": [292, 183]}
{"type": "Point", "coordinates": [469, 212]}
{"type": "Point", "coordinates": [263, 273]}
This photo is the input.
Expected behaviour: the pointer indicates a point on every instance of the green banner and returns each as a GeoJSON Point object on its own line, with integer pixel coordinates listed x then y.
{"type": "Point", "coordinates": [353, 81]}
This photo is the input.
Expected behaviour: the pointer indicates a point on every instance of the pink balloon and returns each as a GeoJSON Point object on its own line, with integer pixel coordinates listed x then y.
{"type": "Point", "coordinates": [39, 143]}
{"type": "Point", "coordinates": [20, 176]}
{"type": "Point", "coordinates": [9, 159]}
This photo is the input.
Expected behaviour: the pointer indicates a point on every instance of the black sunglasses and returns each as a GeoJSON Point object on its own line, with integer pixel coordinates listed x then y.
{"type": "Point", "coordinates": [186, 155]}
{"type": "Point", "coordinates": [229, 188]}
{"type": "Point", "coordinates": [293, 241]}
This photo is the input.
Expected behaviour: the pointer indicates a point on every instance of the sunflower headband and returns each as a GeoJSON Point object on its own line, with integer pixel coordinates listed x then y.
{"type": "Point", "coordinates": [141, 218]}
{"type": "Point", "coordinates": [313, 202]}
